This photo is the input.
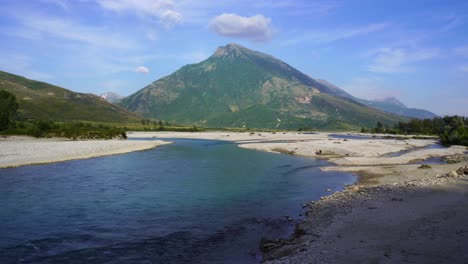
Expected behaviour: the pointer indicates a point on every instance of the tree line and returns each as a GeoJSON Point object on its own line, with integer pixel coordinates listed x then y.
{"type": "Point", "coordinates": [42, 128]}
{"type": "Point", "coordinates": [8, 108]}
{"type": "Point", "coordinates": [452, 130]}
{"type": "Point", "coordinates": [9, 125]}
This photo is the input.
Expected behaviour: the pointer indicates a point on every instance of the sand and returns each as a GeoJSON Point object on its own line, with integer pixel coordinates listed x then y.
{"type": "Point", "coordinates": [17, 151]}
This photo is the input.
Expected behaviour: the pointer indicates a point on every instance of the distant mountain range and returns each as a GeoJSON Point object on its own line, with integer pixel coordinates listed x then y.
{"type": "Point", "coordinates": [239, 87]}
{"type": "Point", "coordinates": [390, 104]}
{"type": "Point", "coordinates": [111, 97]}
{"type": "Point", "coordinates": [393, 105]}
{"type": "Point", "coordinates": [40, 100]}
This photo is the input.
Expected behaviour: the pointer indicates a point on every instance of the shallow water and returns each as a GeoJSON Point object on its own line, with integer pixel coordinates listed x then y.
{"type": "Point", "coordinates": [195, 201]}
{"type": "Point", "coordinates": [405, 151]}
{"type": "Point", "coordinates": [352, 136]}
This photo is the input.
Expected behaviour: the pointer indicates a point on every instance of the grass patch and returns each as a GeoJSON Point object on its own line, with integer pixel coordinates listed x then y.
{"type": "Point", "coordinates": [425, 166]}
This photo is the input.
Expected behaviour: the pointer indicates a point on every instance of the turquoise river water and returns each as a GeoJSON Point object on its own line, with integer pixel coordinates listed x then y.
{"type": "Point", "coordinates": [194, 201]}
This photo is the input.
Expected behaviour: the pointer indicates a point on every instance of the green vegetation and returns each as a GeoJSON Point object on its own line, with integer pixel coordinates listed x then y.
{"type": "Point", "coordinates": [86, 130]}
{"type": "Point", "coordinates": [10, 124]}
{"type": "Point", "coordinates": [8, 108]}
{"type": "Point", "coordinates": [238, 87]}
{"type": "Point", "coordinates": [27, 108]}
{"type": "Point", "coordinates": [452, 130]}
{"type": "Point", "coordinates": [160, 125]}
{"type": "Point", "coordinates": [425, 167]}
{"type": "Point", "coordinates": [43, 101]}
{"type": "Point", "coordinates": [73, 130]}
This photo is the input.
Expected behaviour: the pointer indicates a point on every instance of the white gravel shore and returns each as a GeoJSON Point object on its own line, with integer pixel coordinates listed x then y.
{"type": "Point", "coordinates": [17, 151]}
{"type": "Point", "coordinates": [343, 152]}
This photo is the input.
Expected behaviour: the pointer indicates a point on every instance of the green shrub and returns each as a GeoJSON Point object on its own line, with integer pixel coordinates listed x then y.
{"type": "Point", "coordinates": [424, 166]}
{"type": "Point", "coordinates": [8, 108]}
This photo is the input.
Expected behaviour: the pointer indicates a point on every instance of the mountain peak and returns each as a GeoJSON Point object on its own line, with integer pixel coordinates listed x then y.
{"type": "Point", "coordinates": [231, 49]}
{"type": "Point", "coordinates": [240, 87]}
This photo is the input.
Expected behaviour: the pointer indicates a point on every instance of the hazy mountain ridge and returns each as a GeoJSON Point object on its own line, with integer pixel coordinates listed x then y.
{"type": "Point", "coordinates": [393, 105]}
{"type": "Point", "coordinates": [238, 87]}
{"type": "Point", "coordinates": [389, 104]}
{"type": "Point", "coordinates": [40, 100]}
{"type": "Point", "coordinates": [112, 97]}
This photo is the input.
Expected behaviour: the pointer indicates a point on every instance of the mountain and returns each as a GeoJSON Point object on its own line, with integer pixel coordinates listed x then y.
{"type": "Point", "coordinates": [111, 97]}
{"type": "Point", "coordinates": [393, 105]}
{"type": "Point", "coordinates": [389, 104]}
{"type": "Point", "coordinates": [239, 87]}
{"type": "Point", "coordinates": [40, 100]}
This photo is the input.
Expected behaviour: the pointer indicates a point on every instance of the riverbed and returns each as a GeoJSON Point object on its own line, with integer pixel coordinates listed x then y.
{"type": "Point", "coordinates": [194, 201]}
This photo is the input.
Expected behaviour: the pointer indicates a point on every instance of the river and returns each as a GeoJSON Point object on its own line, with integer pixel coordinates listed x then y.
{"type": "Point", "coordinates": [194, 201]}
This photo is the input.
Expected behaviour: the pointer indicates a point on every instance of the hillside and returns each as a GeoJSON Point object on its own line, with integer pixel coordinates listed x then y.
{"type": "Point", "coordinates": [389, 105]}
{"type": "Point", "coordinates": [40, 100]}
{"type": "Point", "coordinates": [393, 105]}
{"type": "Point", "coordinates": [239, 87]}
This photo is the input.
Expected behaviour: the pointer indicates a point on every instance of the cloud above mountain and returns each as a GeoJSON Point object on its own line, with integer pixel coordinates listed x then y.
{"type": "Point", "coordinates": [142, 69]}
{"type": "Point", "coordinates": [254, 28]}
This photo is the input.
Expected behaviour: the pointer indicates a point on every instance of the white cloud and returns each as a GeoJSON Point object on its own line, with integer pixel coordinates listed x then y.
{"type": "Point", "coordinates": [331, 35]}
{"type": "Point", "coordinates": [393, 60]}
{"type": "Point", "coordinates": [256, 28]}
{"type": "Point", "coordinates": [163, 10]}
{"type": "Point", "coordinates": [142, 69]}
{"type": "Point", "coordinates": [38, 26]}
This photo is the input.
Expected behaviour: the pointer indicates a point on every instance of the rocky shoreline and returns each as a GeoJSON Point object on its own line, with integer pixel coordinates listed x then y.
{"type": "Point", "coordinates": [418, 221]}
{"type": "Point", "coordinates": [398, 211]}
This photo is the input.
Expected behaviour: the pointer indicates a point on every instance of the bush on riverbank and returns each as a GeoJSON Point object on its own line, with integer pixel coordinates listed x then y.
{"type": "Point", "coordinates": [8, 108]}
{"type": "Point", "coordinates": [86, 130]}
{"type": "Point", "coordinates": [73, 130]}
{"type": "Point", "coordinates": [452, 130]}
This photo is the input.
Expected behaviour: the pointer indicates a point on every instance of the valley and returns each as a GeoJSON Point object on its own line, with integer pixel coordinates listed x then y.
{"type": "Point", "coordinates": [228, 132]}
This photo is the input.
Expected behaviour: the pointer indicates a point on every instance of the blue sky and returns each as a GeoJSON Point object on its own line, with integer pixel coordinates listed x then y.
{"type": "Point", "coordinates": [414, 50]}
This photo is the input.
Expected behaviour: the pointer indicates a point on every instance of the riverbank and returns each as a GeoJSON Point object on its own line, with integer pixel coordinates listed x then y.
{"type": "Point", "coordinates": [19, 150]}
{"type": "Point", "coordinates": [415, 221]}
{"type": "Point", "coordinates": [397, 212]}
{"type": "Point", "coordinates": [345, 152]}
